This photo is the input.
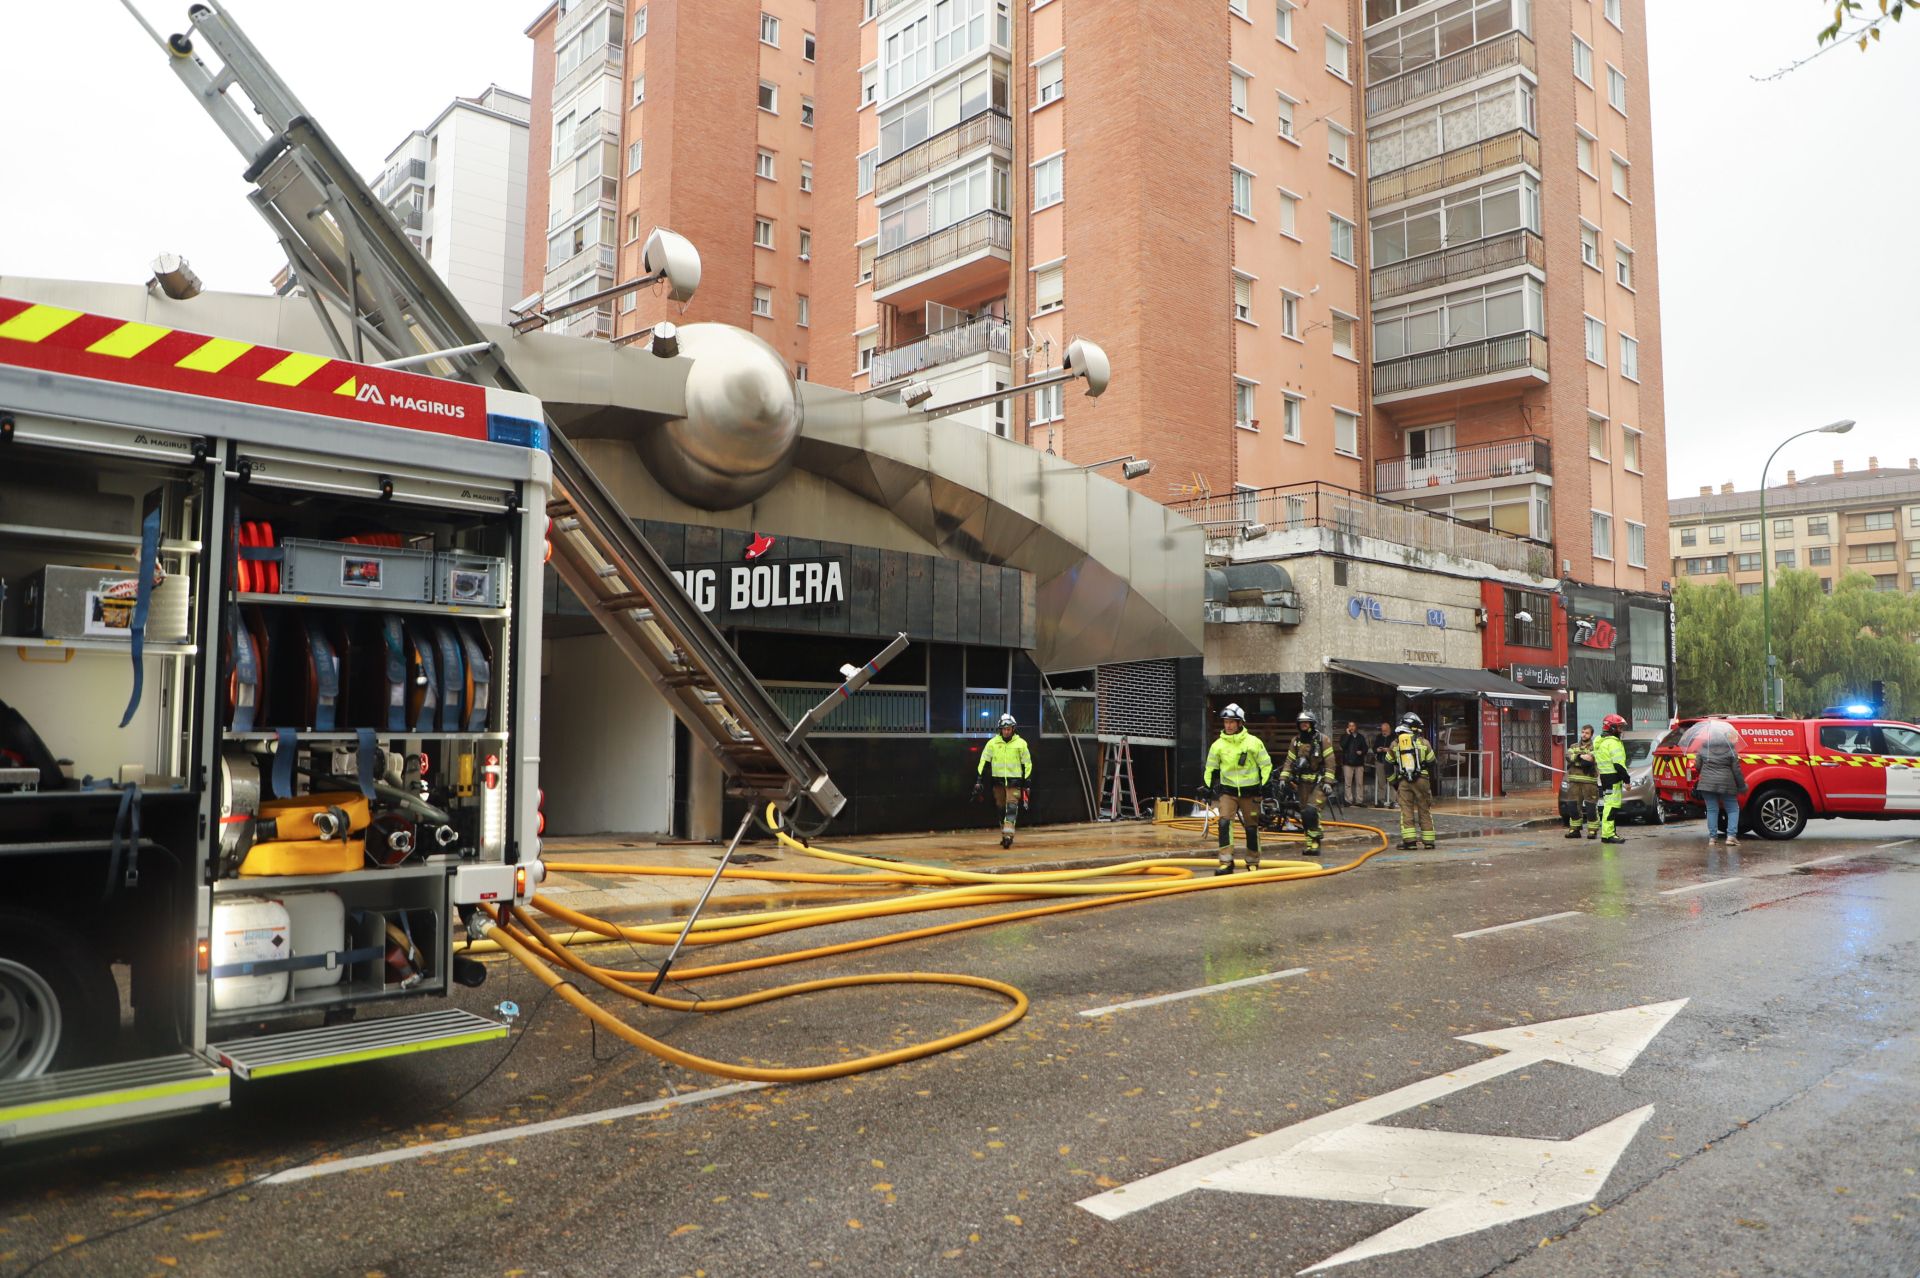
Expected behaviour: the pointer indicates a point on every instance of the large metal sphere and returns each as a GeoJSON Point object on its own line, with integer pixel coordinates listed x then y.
{"type": "Point", "coordinates": [742, 422]}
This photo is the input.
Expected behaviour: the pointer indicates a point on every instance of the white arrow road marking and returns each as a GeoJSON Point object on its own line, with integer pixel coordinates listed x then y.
{"type": "Point", "coordinates": [1501, 927]}
{"type": "Point", "coordinates": [1194, 993]}
{"type": "Point", "coordinates": [1463, 1182]}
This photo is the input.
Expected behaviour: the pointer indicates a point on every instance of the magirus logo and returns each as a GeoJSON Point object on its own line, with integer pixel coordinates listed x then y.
{"type": "Point", "coordinates": [371, 394]}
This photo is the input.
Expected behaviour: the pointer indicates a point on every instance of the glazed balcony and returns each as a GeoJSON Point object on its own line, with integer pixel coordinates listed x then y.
{"type": "Point", "coordinates": [1469, 463]}
{"type": "Point", "coordinates": [1509, 50]}
{"type": "Point", "coordinates": [990, 130]}
{"type": "Point", "coordinates": [1461, 262]}
{"type": "Point", "coordinates": [1465, 164]}
{"type": "Point", "coordinates": [983, 336]}
{"type": "Point", "coordinates": [1511, 358]}
{"type": "Point", "coordinates": [951, 259]}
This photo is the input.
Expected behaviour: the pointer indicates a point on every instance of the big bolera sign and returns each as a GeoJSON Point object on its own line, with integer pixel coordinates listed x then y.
{"type": "Point", "coordinates": [786, 583]}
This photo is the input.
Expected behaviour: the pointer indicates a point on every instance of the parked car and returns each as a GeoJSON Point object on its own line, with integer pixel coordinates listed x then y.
{"type": "Point", "coordinates": [1800, 769]}
{"type": "Point", "coordinates": [1643, 802]}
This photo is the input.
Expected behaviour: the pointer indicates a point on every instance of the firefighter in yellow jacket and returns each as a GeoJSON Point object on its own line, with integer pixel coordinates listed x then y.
{"type": "Point", "coordinates": [1012, 765]}
{"type": "Point", "coordinates": [1236, 774]}
{"type": "Point", "coordinates": [1413, 759]}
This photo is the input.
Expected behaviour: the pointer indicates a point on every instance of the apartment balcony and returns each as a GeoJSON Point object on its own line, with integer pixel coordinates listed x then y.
{"type": "Point", "coordinates": [562, 271]}
{"type": "Point", "coordinates": [400, 175]}
{"type": "Point", "coordinates": [1461, 262]}
{"type": "Point", "coordinates": [409, 215]}
{"type": "Point", "coordinates": [985, 336]}
{"type": "Point", "coordinates": [1516, 357]}
{"type": "Point", "coordinates": [1466, 164]}
{"type": "Point", "coordinates": [606, 59]}
{"type": "Point", "coordinates": [990, 130]}
{"type": "Point", "coordinates": [1470, 463]}
{"type": "Point", "coordinates": [949, 261]}
{"type": "Point", "coordinates": [1509, 50]}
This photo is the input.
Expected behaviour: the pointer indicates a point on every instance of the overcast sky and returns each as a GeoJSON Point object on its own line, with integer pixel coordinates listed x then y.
{"type": "Point", "coordinates": [1789, 212]}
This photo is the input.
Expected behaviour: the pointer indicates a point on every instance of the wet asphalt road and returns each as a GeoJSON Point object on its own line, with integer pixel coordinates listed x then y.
{"type": "Point", "coordinates": [1784, 1139]}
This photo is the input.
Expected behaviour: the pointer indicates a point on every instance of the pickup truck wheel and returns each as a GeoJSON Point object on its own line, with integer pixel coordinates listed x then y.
{"type": "Point", "coordinates": [59, 1007]}
{"type": "Point", "coordinates": [1778, 813]}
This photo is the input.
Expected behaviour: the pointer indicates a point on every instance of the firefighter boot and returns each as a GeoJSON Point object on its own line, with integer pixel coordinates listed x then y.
{"type": "Point", "coordinates": [1253, 847]}
{"type": "Point", "coordinates": [1573, 831]}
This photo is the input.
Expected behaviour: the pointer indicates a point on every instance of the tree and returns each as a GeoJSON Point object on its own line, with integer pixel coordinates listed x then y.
{"type": "Point", "coordinates": [1850, 25]}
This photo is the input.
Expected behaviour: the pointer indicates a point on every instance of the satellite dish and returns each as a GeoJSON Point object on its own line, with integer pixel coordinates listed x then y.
{"type": "Point", "coordinates": [1089, 361]}
{"type": "Point", "coordinates": [672, 258]}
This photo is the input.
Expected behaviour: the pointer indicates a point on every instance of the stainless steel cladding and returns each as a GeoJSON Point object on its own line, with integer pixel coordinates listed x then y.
{"type": "Point", "coordinates": [742, 423]}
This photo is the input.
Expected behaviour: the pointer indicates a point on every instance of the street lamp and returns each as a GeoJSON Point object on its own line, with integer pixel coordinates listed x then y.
{"type": "Point", "coordinates": [1131, 467]}
{"type": "Point", "coordinates": [1768, 705]}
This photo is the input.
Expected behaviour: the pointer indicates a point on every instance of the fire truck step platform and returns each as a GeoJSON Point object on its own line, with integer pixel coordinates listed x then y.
{"type": "Point", "coordinates": [273, 1054]}
{"type": "Point", "coordinates": [80, 1098]}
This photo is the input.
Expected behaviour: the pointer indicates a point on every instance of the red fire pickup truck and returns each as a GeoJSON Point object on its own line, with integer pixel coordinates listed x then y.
{"type": "Point", "coordinates": [1799, 769]}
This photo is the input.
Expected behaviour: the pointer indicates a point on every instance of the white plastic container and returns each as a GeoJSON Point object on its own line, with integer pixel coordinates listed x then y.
{"type": "Point", "coordinates": [249, 929]}
{"type": "Point", "coordinates": [318, 924]}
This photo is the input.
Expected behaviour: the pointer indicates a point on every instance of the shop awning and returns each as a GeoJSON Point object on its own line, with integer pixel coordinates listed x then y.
{"type": "Point", "coordinates": [1440, 681]}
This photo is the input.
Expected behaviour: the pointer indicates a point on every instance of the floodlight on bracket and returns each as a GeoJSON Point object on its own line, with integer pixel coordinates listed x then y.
{"type": "Point", "coordinates": [1083, 359]}
{"type": "Point", "coordinates": [665, 256]}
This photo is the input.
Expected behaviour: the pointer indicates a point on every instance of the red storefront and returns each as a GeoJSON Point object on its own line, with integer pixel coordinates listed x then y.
{"type": "Point", "coordinates": [1523, 635]}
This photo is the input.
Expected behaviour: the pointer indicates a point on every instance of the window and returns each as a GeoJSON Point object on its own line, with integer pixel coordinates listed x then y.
{"type": "Point", "coordinates": [1596, 341]}
{"type": "Point", "coordinates": [1047, 176]}
{"type": "Point", "coordinates": [1689, 536]}
{"type": "Point", "coordinates": [770, 97]}
{"type": "Point", "coordinates": [629, 302]}
{"type": "Point", "coordinates": [633, 157]}
{"type": "Point", "coordinates": [1622, 179]}
{"type": "Point", "coordinates": [1049, 289]}
{"type": "Point", "coordinates": [1817, 526]}
{"type": "Point", "coordinates": [763, 165]}
{"type": "Point", "coordinates": [1630, 448]}
{"type": "Point", "coordinates": [1602, 535]}
{"type": "Point", "coordinates": [1242, 192]}
{"type": "Point", "coordinates": [1048, 403]}
{"type": "Point", "coordinates": [807, 47]}
{"type": "Point", "coordinates": [1243, 405]}
{"type": "Point", "coordinates": [1913, 550]}
{"type": "Point", "coordinates": [1290, 315]}
{"type": "Point", "coordinates": [1583, 61]}
{"type": "Point", "coordinates": [1283, 21]}
{"type": "Point", "coordinates": [806, 245]}
{"type": "Point", "coordinates": [639, 89]}
{"type": "Point", "coordinates": [1463, 317]}
{"type": "Point", "coordinates": [1339, 147]}
{"type": "Point", "coordinates": [1049, 81]}
{"type": "Point", "coordinates": [1629, 358]}
{"type": "Point", "coordinates": [1746, 563]}
{"type": "Point", "coordinates": [762, 233]}
{"type": "Point", "coordinates": [1341, 232]}
{"type": "Point", "coordinates": [1783, 559]}
{"type": "Point", "coordinates": [1597, 438]}
{"type": "Point", "coordinates": [1913, 516]}
{"type": "Point", "coordinates": [1753, 588]}
{"type": "Point", "coordinates": [1882, 554]}
{"type": "Point", "coordinates": [802, 310]}
{"type": "Point", "coordinates": [1237, 92]}
{"type": "Point", "coordinates": [1712, 565]}
{"type": "Point", "coordinates": [1636, 545]}
{"type": "Point", "coordinates": [1783, 528]}
{"type": "Point", "coordinates": [1872, 521]}
{"type": "Point", "coordinates": [1616, 89]}
{"type": "Point", "coordinates": [1583, 152]}
{"type": "Point", "coordinates": [1290, 417]}
{"type": "Point", "coordinates": [1717, 535]}
{"type": "Point", "coordinates": [1290, 215]}
{"type": "Point", "coordinates": [1237, 7]}
{"type": "Point", "coordinates": [864, 182]}
{"type": "Point", "coordinates": [1461, 217]}
{"type": "Point", "coordinates": [800, 373]}
{"type": "Point", "coordinates": [1623, 264]}
{"type": "Point", "coordinates": [769, 30]}
{"type": "Point", "coordinates": [763, 301]}
{"type": "Point", "coordinates": [1343, 326]}
{"type": "Point", "coordinates": [806, 112]}
{"type": "Point", "coordinates": [1493, 111]}
{"type": "Point", "coordinates": [866, 10]}
{"type": "Point", "coordinates": [1590, 244]}
{"type": "Point", "coordinates": [1337, 54]}
{"type": "Point", "coordinates": [1750, 531]}
{"type": "Point", "coordinates": [1346, 432]}
{"type": "Point", "coordinates": [633, 227]}
{"type": "Point", "coordinates": [864, 354]}
{"type": "Point", "coordinates": [1819, 556]}
{"type": "Point", "coordinates": [1613, 12]}
{"type": "Point", "coordinates": [806, 175]}
{"type": "Point", "coordinates": [1287, 105]}
{"type": "Point", "coordinates": [1242, 298]}
{"type": "Point", "coordinates": [869, 85]}
{"type": "Point", "coordinates": [1537, 630]}
{"type": "Point", "coordinates": [639, 22]}
{"type": "Point", "coordinates": [865, 249]}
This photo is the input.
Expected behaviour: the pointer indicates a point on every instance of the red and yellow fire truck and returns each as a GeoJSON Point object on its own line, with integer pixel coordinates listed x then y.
{"type": "Point", "coordinates": [1799, 770]}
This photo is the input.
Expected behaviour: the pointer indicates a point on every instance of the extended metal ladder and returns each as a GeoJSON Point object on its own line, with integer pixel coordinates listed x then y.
{"type": "Point", "coordinates": [355, 262]}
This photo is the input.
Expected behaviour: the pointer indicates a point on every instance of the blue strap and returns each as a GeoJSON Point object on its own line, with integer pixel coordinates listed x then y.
{"type": "Point", "coordinates": [326, 667]}
{"type": "Point", "coordinates": [246, 671]}
{"type": "Point", "coordinates": [142, 599]}
{"type": "Point", "coordinates": [286, 745]}
{"type": "Point", "coordinates": [364, 756]}
{"type": "Point", "coordinates": [395, 635]}
{"type": "Point", "coordinates": [429, 682]}
{"type": "Point", "coordinates": [126, 840]}
{"type": "Point", "coordinates": [453, 677]}
{"type": "Point", "coordinates": [298, 962]}
{"type": "Point", "coordinates": [478, 668]}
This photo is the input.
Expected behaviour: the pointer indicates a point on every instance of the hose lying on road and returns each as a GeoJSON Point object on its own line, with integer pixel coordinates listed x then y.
{"type": "Point", "coordinates": [520, 935]}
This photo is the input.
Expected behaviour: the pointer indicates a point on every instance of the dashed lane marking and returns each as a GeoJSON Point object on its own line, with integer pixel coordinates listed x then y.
{"type": "Point", "coordinates": [1195, 993]}
{"type": "Point", "coordinates": [1896, 843]}
{"type": "Point", "coordinates": [1501, 927]}
{"type": "Point", "coordinates": [1700, 887]}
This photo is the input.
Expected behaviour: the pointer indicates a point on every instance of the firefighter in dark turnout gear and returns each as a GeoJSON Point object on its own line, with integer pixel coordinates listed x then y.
{"type": "Point", "coordinates": [1413, 761]}
{"type": "Point", "coordinates": [1583, 787]}
{"type": "Point", "coordinates": [1309, 766]}
{"type": "Point", "coordinates": [1236, 774]}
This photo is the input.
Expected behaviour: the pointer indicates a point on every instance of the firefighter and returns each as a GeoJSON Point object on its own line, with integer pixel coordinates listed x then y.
{"type": "Point", "coordinates": [1412, 763]}
{"type": "Point", "coordinates": [1012, 768]}
{"type": "Point", "coordinates": [1309, 765]}
{"type": "Point", "coordinates": [1610, 757]}
{"type": "Point", "coordinates": [1236, 774]}
{"type": "Point", "coordinates": [1583, 787]}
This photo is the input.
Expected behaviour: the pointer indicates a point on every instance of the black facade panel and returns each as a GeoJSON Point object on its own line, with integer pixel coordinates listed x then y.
{"type": "Point", "coordinates": [946, 602]}
{"type": "Point", "coordinates": [990, 630]}
{"type": "Point", "coordinates": [946, 688]}
{"type": "Point", "coordinates": [919, 580]}
{"type": "Point", "coordinates": [863, 591]}
{"type": "Point", "coordinates": [967, 599]}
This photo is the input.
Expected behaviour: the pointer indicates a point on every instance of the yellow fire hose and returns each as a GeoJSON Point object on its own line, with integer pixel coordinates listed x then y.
{"type": "Point", "coordinates": [519, 935]}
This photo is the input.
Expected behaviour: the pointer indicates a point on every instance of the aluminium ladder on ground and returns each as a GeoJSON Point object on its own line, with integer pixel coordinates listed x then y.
{"type": "Point", "coordinates": [1119, 800]}
{"type": "Point", "coordinates": [349, 254]}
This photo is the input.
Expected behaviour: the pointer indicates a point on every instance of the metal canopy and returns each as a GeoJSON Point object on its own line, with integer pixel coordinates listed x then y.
{"type": "Point", "coordinates": [1438, 681]}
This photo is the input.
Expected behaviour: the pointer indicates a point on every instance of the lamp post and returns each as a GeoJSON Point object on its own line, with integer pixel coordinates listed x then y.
{"type": "Point", "coordinates": [1766, 557]}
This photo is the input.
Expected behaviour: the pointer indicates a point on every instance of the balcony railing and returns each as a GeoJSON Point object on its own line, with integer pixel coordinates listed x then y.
{"type": "Point", "coordinates": [982, 231]}
{"type": "Point", "coordinates": [1462, 165]}
{"type": "Point", "coordinates": [607, 57]}
{"type": "Point", "coordinates": [1511, 49]}
{"type": "Point", "coordinates": [988, 129]}
{"type": "Point", "coordinates": [399, 175]}
{"type": "Point", "coordinates": [1461, 262]}
{"type": "Point", "coordinates": [1295, 508]}
{"type": "Point", "coordinates": [1460, 363]}
{"type": "Point", "coordinates": [949, 344]}
{"type": "Point", "coordinates": [891, 710]}
{"type": "Point", "coordinates": [601, 126]}
{"type": "Point", "coordinates": [1524, 455]}
{"type": "Point", "coordinates": [563, 268]}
